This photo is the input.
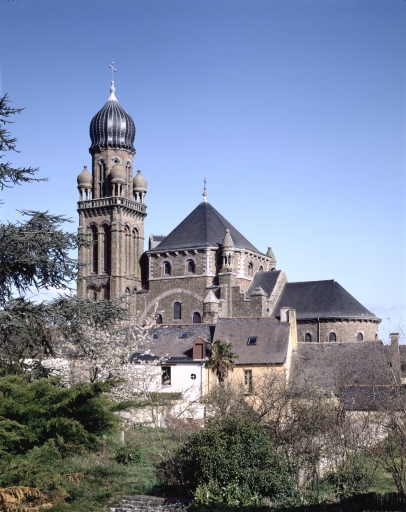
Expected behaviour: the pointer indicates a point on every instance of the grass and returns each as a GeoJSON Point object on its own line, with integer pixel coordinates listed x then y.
{"type": "Point", "coordinates": [88, 481]}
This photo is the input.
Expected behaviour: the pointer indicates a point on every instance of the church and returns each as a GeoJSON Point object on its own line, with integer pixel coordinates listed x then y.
{"type": "Point", "coordinates": [202, 271]}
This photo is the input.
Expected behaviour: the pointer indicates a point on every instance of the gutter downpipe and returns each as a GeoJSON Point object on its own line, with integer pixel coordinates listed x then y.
{"type": "Point", "coordinates": [318, 330]}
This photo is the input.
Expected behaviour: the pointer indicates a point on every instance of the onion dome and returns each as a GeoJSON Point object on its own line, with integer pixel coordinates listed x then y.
{"type": "Point", "coordinates": [112, 126]}
{"type": "Point", "coordinates": [139, 183]}
{"type": "Point", "coordinates": [117, 174]}
{"type": "Point", "coordinates": [85, 178]}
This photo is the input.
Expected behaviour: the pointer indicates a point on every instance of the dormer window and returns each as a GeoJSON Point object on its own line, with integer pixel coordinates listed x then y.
{"type": "Point", "coordinates": [198, 349]}
{"type": "Point", "coordinates": [252, 340]}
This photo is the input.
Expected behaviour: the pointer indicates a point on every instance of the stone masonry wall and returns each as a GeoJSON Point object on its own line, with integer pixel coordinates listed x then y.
{"type": "Point", "coordinates": [346, 330]}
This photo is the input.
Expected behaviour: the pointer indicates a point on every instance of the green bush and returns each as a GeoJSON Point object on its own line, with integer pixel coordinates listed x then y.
{"type": "Point", "coordinates": [353, 476]}
{"type": "Point", "coordinates": [31, 413]}
{"type": "Point", "coordinates": [127, 454]}
{"type": "Point", "coordinates": [231, 457]}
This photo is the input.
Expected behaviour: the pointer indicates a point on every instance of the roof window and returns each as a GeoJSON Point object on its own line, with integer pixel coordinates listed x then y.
{"type": "Point", "coordinates": [155, 335]}
{"type": "Point", "coordinates": [252, 340]}
{"type": "Point", "coordinates": [183, 335]}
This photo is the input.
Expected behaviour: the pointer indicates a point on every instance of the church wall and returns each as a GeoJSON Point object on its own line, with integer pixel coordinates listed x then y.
{"type": "Point", "coordinates": [189, 291]}
{"type": "Point", "coordinates": [345, 330]}
{"type": "Point", "coordinates": [178, 261]}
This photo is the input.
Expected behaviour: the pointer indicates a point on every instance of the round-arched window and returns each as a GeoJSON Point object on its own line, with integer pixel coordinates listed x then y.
{"type": "Point", "coordinates": [158, 319]}
{"type": "Point", "coordinates": [360, 336]}
{"type": "Point", "coordinates": [167, 268]}
{"type": "Point", "coordinates": [190, 265]}
{"type": "Point", "coordinates": [250, 269]}
{"type": "Point", "coordinates": [197, 319]}
{"type": "Point", "coordinates": [332, 337]}
{"type": "Point", "coordinates": [308, 337]}
{"type": "Point", "coordinates": [261, 269]}
{"type": "Point", "coordinates": [177, 311]}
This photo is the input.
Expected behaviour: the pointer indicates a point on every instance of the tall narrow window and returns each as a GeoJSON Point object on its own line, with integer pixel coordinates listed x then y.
{"type": "Point", "coordinates": [95, 250]}
{"type": "Point", "coordinates": [166, 375]}
{"type": "Point", "coordinates": [261, 269]}
{"type": "Point", "coordinates": [158, 319]}
{"type": "Point", "coordinates": [360, 336]}
{"type": "Point", "coordinates": [102, 175]}
{"type": "Point", "coordinates": [332, 337]}
{"type": "Point", "coordinates": [308, 336]}
{"type": "Point", "coordinates": [177, 311]}
{"type": "Point", "coordinates": [167, 268]}
{"type": "Point", "coordinates": [106, 292]}
{"type": "Point", "coordinates": [250, 269]}
{"type": "Point", "coordinates": [127, 246]}
{"type": "Point", "coordinates": [190, 265]}
{"type": "Point", "coordinates": [248, 381]}
{"type": "Point", "coordinates": [107, 248]}
{"type": "Point", "coordinates": [197, 319]}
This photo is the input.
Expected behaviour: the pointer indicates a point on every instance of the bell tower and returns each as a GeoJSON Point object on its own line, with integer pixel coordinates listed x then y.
{"type": "Point", "coordinates": [111, 208]}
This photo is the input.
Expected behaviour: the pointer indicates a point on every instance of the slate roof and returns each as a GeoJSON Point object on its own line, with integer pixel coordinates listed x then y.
{"type": "Point", "coordinates": [204, 227]}
{"type": "Point", "coordinates": [266, 280]}
{"type": "Point", "coordinates": [402, 360]}
{"type": "Point", "coordinates": [321, 299]}
{"type": "Point", "coordinates": [372, 398]}
{"type": "Point", "coordinates": [272, 339]}
{"type": "Point", "coordinates": [169, 344]}
{"type": "Point", "coordinates": [334, 365]}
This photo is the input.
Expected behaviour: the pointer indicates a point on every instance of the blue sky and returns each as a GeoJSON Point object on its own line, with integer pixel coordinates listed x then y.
{"type": "Point", "coordinates": [294, 111]}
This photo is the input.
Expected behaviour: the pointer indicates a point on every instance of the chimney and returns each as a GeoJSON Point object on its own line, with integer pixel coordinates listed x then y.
{"type": "Point", "coordinates": [289, 315]}
{"type": "Point", "coordinates": [394, 338]}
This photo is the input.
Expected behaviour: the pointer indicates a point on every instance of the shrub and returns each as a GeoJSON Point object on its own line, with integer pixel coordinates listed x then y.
{"type": "Point", "coordinates": [231, 456]}
{"type": "Point", "coordinates": [127, 454]}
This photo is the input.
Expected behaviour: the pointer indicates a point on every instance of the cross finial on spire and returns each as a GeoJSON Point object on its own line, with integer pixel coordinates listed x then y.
{"type": "Point", "coordinates": [204, 191]}
{"type": "Point", "coordinates": [113, 70]}
{"type": "Point", "coordinates": [112, 96]}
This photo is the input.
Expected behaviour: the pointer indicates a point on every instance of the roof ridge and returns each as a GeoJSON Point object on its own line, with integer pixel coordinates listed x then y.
{"type": "Point", "coordinates": [312, 281]}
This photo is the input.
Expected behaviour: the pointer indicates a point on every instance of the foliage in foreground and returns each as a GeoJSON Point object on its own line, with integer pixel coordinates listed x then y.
{"type": "Point", "coordinates": [33, 413]}
{"type": "Point", "coordinates": [231, 462]}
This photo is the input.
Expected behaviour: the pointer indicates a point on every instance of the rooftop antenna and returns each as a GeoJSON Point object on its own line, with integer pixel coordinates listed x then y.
{"type": "Point", "coordinates": [204, 191]}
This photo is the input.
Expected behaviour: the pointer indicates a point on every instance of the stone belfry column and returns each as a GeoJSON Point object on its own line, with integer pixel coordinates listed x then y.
{"type": "Point", "coordinates": [110, 207]}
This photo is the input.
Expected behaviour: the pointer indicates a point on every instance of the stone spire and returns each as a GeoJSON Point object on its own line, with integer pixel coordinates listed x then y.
{"type": "Point", "coordinates": [210, 308]}
{"type": "Point", "coordinates": [227, 252]}
{"type": "Point", "coordinates": [270, 254]}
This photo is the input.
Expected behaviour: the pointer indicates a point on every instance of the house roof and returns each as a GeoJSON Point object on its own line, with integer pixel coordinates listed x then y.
{"type": "Point", "coordinates": [402, 360]}
{"type": "Point", "coordinates": [372, 398]}
{"type": "Point", "coordinates": [321, 299]}
{"type": "Point", "coordinates": [272, 339]}
{"type": "Point", "coordinates": [334, 365]}
{"type": "Point", "coordinates": [266, 280]}
{"type": "Point", "coordinates": [170, 345]}
{"type": "Point", "coordinates": [204, 227]}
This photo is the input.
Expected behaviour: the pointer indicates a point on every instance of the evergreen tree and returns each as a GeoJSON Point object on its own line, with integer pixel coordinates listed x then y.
{"type": "Point", "coordinates": [35, 253]}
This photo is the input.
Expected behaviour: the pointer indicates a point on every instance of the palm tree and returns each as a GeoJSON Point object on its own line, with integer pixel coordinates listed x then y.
{"type": "Point", "coordinates": [222, 359]}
